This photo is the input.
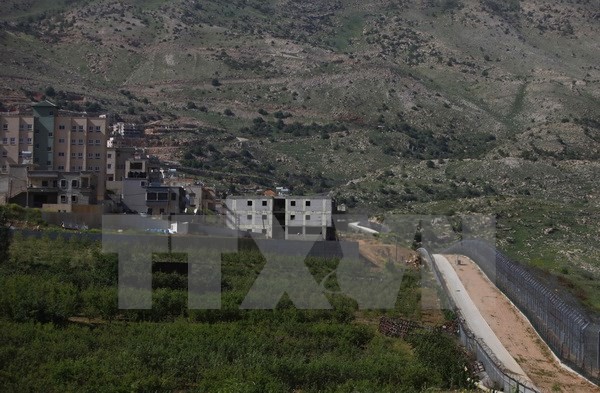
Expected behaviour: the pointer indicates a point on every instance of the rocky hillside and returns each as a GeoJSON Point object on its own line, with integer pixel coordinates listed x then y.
{"type": "Point", "coordinates": [442, 106]}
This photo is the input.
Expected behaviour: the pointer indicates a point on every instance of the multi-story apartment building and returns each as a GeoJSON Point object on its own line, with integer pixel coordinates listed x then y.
{"type": "Point", "coordinates": [290, 217]}
{"type": "Point", "coordinates": [47, 139]}
{"type": "Point", "coordinates": [143, 192]}
{"type": "Point", "coordinates": [116, 157]}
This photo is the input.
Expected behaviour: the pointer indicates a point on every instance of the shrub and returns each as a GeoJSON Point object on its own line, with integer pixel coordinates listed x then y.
{"type": "Point", "coordinates": [37, 299]}
{"type": "Point", "coordinates": [5, 237]}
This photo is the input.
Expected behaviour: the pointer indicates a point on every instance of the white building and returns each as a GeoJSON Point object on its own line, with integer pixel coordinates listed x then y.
{"type": "Point", "coordinates": [290, 217]}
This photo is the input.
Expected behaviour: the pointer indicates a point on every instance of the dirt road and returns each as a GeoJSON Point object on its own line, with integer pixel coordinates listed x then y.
{"type": "Point", "coordinates": [516, 333]}
{"type": "Point", "coordinates": [379, 254]}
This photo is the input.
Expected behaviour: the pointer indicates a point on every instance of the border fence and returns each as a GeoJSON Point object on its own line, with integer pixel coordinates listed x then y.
{"type": "Point", "coordinates": [571, 332]}
{"type": "Point", "coordinates": [498, 376]}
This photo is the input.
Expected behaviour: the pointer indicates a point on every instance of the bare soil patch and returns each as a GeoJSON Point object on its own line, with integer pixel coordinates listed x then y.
{"type": "Point", "coordinates": [516, 333]}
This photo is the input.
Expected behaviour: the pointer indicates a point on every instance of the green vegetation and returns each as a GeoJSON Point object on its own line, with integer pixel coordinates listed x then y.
{"type": "Point", "coordinates": [12, 212]}
{"type": "Point", "coordinates": [5, 237]}
{"type": "Point", "coordinates": [51, 288]}
{"type": "Point", "coordinates": [488, 106]}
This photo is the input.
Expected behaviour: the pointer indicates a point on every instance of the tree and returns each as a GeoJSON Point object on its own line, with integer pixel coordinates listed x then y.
{"type": "Point", "coordinates": [93, 107]}
{"type": "Point", "coordinates": [50, 92]}
{"type": "Point", "coordinates": [5, 237]}
{"type": "Point", "coordinates": [215, 82]}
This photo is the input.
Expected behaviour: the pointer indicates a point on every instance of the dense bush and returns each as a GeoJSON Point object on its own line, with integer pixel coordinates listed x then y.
{"type": "Point", "coordinates": [172, 348]}
{"type": "Point", "coordinates": [38, 299]}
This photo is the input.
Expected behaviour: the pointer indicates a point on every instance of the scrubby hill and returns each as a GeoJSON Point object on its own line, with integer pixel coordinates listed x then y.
{"type": "Point", "coordinates": [415, 106]}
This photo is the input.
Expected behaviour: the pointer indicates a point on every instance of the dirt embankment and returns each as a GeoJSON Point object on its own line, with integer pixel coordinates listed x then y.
{"type": "Point", "coordinates": [516, 333]}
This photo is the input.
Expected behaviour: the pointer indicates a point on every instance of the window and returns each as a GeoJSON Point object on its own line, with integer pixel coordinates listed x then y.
{"type": "Point", "coordinates": [135, 166]}
{"type": "Point", "coordinates": [29, 141]}
{"type": "Point", "coordinates": [98, 141]}
{"type": "Point", "coordinates": [61, 167]}
{"type": "Point", "coordinates": [98, 129]}
{"type": "Point", "coordinates": [3, 168]}
{"type": "Point", "coordinates": [50, 134]}
{"type": "Point", "coordinates": [74, 198]}
{"type": "Point", "coordinates": [293, 203]}
{"type": "Point", "coordinates": [61, 154]}
{"type": "Point", "coordinates": [80, 155]}
{"type": "Point", "coordinates": [63, 199]}
{"type": "Point", "coordinates": [292, 217]}
{"type": "Point", "coordinates": [308, 217]}
{"type": "Point", "coordinates": [90, 155]}
{"type": "Point", "coordinates": [151, 196]}
{"type": "Point", "coordinates": [44, 183]}
{"type": "Point", "coordinates": [143, 184]}
{"type": "Point", "coordinates": [75, 183]}
{"type": "Point", "coordinates": [80, 128]}
{"type": "Point", "coordinates": [12, 141]}
{"type": "Point", "coordinates": [79, 167]}
{"type": "Point", "coordinates": [49, 148]}
{"type": "Point", "coordinates": [21, 140]}
{"type": "Point", "coordinates": [61, 140]}
{"type": "Point", "coordinates": [90, 141]}
{"type": "Point", "coordinates": [264, 203]}
{"type": "Point", "coordinates": [163, 196]}
{"type": "Point", "coordinates": [264, 231]}
{"type": "Point", "coordinates": [61, 127]}
{"type": "Point", "coordinates": [30, 127]}
{"type": "Point", "coordinates": [97, 156]}
{"type": "Point", "coordinates": [74, 128]}
{"type": "Point", "coordinates": [249, 203]}
{"type": "Point", "coordinates": [5, 141]}
{"type": "Point", "coordinates": [249, 217]}
{"type": "Point", "coordinates": [91, 128]}
{"type": "Point", "coordinates": [109, 166]}
{"type": "Point", "coordinates": [89, 168]}
{"type": "Point", "coordinates": [81, 141]}
{"type": "Point", "coordinates": [5, 127]}
{"type": "Point", "coordinates": [97, 169]}
{"type": "Point", "coordinates": [85, 182]}
{"type": "Point", "coordinates": [264, 217]}
{"type": "Point", "coordinates": [73, 154]}
{"type": "Point", "coordinates": [63, 182]}
{"type": "Point", "coordinates": [109, 155]}
{"type": "Point", "coordinates": [307, 203]}
{"type": "Point", "coordinates": [73, 142]}
{"type": "Point", "coordinates": [173, 196]}
{"type": "Point", "coordinates": [4, 154]}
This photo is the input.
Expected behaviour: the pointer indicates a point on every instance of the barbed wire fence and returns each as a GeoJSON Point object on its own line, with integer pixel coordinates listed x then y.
{"type": "Point", "coordinates": [571, 332]}
{"type": "Point", "coordinates": [498, 375]}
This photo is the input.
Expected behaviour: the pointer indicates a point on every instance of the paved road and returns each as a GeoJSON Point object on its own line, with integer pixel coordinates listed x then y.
{"type": "Point", "coordinates": [473, 317]}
